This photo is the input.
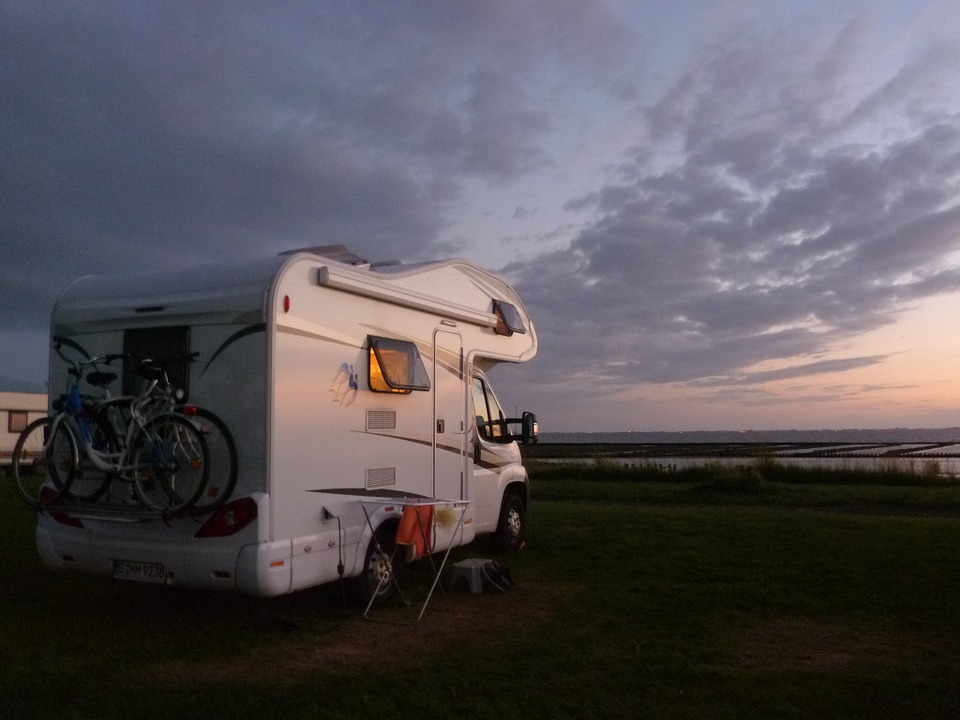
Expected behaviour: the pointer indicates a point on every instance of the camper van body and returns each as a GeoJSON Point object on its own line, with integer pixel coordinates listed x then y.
{"type": "Point", "coordinates": [287, 357]}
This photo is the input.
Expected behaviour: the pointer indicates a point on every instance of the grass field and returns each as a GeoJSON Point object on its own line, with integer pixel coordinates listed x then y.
{"type": "Point", "coordinates": [717, 595]}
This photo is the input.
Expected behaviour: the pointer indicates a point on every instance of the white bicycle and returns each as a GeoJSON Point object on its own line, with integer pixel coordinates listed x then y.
{"type": "Point", "coordinates": [92, 442]}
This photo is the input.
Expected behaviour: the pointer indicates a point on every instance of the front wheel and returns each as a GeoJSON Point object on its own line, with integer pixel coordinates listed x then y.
{"type": "Point", "coordinates": [170, 464]}
{"type": "Point", "coordinates": [512, 524]}
{"type": "Point", "coordinates": [41, 455]}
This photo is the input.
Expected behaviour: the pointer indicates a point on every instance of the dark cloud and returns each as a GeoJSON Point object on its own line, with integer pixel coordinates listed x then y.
{"type": "Point", "coordinates": [807, 370]}
{"type": "Point", "coordinates": [195, 123]}
{"type": "Point", "coordinates": [773, 215]}
{"type": "Point", "coordinates": [781, 194]}
{"type": "Point", "coordinates": [152, 134]}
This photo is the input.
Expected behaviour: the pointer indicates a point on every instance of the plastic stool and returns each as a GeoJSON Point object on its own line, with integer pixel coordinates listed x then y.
{"type": "Point", "coordinates": [472, 570]}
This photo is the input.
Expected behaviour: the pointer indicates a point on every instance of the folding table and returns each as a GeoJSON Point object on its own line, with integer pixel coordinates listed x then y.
{"type": "Point", "coordinates": [423, 537]}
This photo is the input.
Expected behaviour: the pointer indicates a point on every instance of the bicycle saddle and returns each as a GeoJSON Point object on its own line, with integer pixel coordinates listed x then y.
{"type": "Point", "coordinates": [101, 379]}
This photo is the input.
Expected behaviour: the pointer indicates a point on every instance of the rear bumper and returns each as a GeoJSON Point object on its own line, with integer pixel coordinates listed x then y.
{"type": "Point", "coordinates": [239, 563]}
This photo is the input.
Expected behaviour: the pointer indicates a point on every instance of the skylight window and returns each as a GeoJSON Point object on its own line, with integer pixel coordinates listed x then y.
{"type": "Point", "coordinates": [508, 319]}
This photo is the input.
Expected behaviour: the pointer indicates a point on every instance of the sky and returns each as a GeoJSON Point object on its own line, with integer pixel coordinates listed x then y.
{"type": "Point", "coordinates": [732, 214]}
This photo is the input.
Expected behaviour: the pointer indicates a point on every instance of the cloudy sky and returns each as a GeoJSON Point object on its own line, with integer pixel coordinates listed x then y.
{"type": "Point", "coordinates": [729, 214]}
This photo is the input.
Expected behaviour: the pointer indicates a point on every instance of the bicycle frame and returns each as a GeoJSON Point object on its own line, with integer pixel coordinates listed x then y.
{"type": "Point", "coordinates": [141, 409]}
{"type": "Point", "coordinates": [146, 439]}
{"type": "Point", "coordinates": [118, 463]}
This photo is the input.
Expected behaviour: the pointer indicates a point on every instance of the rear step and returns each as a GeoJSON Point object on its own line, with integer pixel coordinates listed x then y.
{"type": "Point", "coordinates": [102, 512]}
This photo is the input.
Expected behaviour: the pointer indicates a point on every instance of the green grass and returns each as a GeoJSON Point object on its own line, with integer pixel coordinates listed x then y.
{"type": "Point", "coordinates": [761, 483]}
{"type": "Point", "coordinates": [714, 596]}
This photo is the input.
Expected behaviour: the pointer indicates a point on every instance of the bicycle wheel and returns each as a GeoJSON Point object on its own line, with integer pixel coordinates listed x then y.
{"type": "Point", "coordinates": [222, 461]}
{"type": "Point", "coordinates": [170, 464]}
{"type": "Point", "coordinates": [39, 458]}
{"type": "Point", "coordinates": [91, 482]}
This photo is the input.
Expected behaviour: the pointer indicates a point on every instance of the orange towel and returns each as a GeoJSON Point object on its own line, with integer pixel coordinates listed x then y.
{"type": "Point", "coordinates": [409, 532]}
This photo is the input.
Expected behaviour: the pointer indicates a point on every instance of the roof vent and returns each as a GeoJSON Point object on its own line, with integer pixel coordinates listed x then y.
{"type": "Point", "coordinates": [337, 253]}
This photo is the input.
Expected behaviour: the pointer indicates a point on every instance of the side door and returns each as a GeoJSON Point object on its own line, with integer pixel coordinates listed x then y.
{"type": "Point", "coordinates": [449, 426]}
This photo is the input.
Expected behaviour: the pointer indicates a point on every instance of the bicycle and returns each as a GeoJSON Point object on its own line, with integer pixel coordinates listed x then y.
{"type": "Point", "coordinates": [159, 452]}
{"type": "Point", "coordinates": [46, 451]}
{"type": "Point", "coordinates": [221, 448]}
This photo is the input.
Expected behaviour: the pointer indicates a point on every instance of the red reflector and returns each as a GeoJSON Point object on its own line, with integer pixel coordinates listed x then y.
{"type": "Point", "coordinates": [65, 519]}
{"type": "Point", "coordinates": [231, 518]}
{"type": "Point", "coordinates": [286, 303]}
{"type": "Point", "coordinates": [61, 516]}
{"type": "Point", "coordinates": [188, 409]}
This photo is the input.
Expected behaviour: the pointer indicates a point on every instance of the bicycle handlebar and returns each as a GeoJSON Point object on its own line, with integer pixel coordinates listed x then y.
{"type": "Point", "coordinates": [148, 366]}
{"type": "Point", "coordinates": [94, 362]}
{"type": "Point", "coordinates": [110, 357]}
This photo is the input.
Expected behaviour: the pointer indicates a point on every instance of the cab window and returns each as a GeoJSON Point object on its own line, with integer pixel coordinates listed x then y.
{"type": "Point", "coordinates": [489, 416]}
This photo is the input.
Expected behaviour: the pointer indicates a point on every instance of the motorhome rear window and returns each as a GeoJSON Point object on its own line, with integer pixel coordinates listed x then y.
{"type": "Point", "coordinates": [508, 319]}
{"type": "Point", "coordinates": [167, 345]}
{"type": "Point", "coordinates": [396, 366]}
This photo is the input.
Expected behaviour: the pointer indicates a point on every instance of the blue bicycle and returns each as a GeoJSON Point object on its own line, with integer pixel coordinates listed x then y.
{"type": "Point", "coordinates": [92, 442]}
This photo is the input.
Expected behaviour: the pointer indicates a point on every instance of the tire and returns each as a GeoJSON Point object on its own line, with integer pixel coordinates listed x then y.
{"type": "Point", "coordinates": [39, 461]}
{"type": "Point", "coordinates": [65, 456]}
{"type": "Point", "coordinates": [90, 482]}
{"type": "Point", "coordinates": [170, 464]}
{"type": "Point", "coordinates": [512, 525]}
{"type": "Point", "coordinates": [222, 462]}
{"type": "Point", "coordinates": [376, 582]}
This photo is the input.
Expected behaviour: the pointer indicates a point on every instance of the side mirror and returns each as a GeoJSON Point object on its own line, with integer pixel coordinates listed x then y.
{"type": "Point", "coordinates": [529, 429]}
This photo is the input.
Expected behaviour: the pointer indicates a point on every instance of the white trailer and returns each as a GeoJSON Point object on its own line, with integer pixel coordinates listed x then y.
{"type": "Point", "coordinates": [17, 410]}
{"type": "Point", "coordinates": [344, 383]}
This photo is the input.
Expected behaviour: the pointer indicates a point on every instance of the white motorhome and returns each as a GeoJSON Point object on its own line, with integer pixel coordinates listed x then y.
{"type": "Point", "coordinates": [345, 385]}
{"type": "Point", "coordinates": [17, 410]}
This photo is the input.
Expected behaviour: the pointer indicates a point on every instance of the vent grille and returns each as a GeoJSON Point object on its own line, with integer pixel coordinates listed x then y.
{"type": "Point", "coordinates": [381, 477]}
{"type": "Point", "coordinates": [381, 419]}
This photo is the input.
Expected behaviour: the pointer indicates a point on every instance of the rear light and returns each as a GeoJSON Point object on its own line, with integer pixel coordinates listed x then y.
{"type": "Point", "coordinates": [47, 495]}
{"type": "Point", "coordinates": [230, 519]}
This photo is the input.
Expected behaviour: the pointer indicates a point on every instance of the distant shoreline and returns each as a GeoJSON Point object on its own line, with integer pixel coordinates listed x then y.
{"type": "Point", "coordinates": [749, 437]}
{"type": "Point", "coordinates": [757, 450]}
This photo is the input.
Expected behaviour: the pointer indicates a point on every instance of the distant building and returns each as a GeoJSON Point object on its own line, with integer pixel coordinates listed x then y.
{"type": "Point", "coordinates": [17, 410]}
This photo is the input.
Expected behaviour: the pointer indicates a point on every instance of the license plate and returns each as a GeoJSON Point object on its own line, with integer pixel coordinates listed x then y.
{"type": "Point", "coordinates": [139, 571]}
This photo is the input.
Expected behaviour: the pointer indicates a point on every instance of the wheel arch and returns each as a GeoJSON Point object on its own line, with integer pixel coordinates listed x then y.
{"type": "Point", "coordinates": [518, 487]}
{"type": "Point", "coordinates": [385, 531]}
